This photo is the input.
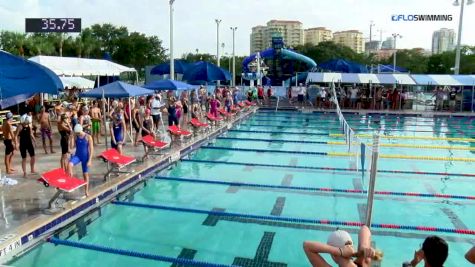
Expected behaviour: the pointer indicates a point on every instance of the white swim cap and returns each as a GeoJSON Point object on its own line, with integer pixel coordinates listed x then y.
{"type": "Point", "coordinates": [25, 119]}
{"type": "Point", "coordinates": [78, 128]}
{"type": "Point", "coordinates": [339, 239]}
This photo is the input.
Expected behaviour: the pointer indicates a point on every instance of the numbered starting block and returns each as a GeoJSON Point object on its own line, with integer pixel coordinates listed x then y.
{"type": "Point", "coordinates": [116, 163]}
{"type": "Point", "coordinates": [63, 183]}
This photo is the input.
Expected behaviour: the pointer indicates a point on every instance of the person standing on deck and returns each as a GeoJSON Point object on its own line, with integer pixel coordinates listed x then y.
{"type": "Point", "coordinates": [10, 142]}
{"type": "Point", "coordinates": [84, 152]}
{"type": "Point", "coordinates": [117, 130]}
{"type": "Point", "coordinates": [26, 139]}
{"type": "Point", "coordinates": [96, 121]}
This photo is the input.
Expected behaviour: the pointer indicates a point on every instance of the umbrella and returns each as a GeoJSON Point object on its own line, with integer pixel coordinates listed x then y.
{"type": "Point", "coordinates": [160, 85]}
{"type": "Point", "coordinates": [19, 77]}
{"type": "Point", "coordinates": [205, 71]}
{"type": "Point", "coordinates": [116, 89]}
{"type": "Point", "coordinates": [180, 67]}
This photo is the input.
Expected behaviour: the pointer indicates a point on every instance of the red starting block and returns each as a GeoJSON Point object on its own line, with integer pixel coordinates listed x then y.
{"type": "Point", "coordinates": [64, 183]}
{"type": "Point", "coordinates": [175, 130]}
{"type": "Point", "coordinates": [154, 146]}
{"type": "Point", "coordinates": [116, 163]}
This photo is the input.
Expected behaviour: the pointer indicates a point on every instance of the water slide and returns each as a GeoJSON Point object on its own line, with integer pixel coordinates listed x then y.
{"type": "Point", "coordinates": [286, 54]}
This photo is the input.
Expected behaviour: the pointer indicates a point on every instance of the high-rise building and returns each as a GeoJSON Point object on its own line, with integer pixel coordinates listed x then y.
{"type": "Point", "coordinates": [372, 46]}
{"type": "Point", "coordinates": [314, 36]}
{"type": "Point", "coordinates": [352, 38]}
{"type": "Point", "coordinates": [388, 43]}
{"type": "Point", "coordinates": [443, 40]}
{"type": "Point", "coordinates": [291, 31]}
{"type": "Point", "coordinates": [258, 42]}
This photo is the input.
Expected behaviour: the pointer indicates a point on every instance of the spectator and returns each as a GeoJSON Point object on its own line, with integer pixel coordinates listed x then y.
{"type": "Point", "coordinates": [340, 247]}
{"type": "Point", "coordinates": [452, 99]}
{"type": "Point", "coordinates": [353, 97]}
{"type": "Point", "coordinates": [434, 252]}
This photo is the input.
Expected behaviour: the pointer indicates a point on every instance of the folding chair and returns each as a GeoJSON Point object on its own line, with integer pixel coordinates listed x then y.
{"type": "Point", "coordinates": [116, 163]}
{"type": "Point", "coordinates": [63, 183]}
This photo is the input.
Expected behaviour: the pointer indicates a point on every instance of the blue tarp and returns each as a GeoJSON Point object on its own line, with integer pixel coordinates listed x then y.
{"type": "Point", "coordinates": [116, 90]}
{"type": "Point", "coordinates": [207, 72]}
{"type": "Point", "coordinates": [19, 76]}
{"type": "Point", "coordinates": [345, 66]}
{"type": "Point", "coordinates": [181, 66]}
{"type": "Point", "coordinates": [168, 84]}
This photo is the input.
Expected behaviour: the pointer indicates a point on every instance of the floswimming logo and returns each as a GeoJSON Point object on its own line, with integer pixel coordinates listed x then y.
{"type": "Point", "coordinates": [426, 17]}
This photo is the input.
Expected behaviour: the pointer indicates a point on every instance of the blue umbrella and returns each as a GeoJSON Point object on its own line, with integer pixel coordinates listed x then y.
{"type": "Point", "coordinates": [160, 85]}
{"type": "Point", "coordinates": [205, 71]}
{"type": "Point", "coordinates": [180, 67]}
{"type": "Point", "coordinates": [23, 77]}
{"type": "Point", "coordinates": [116, 89]}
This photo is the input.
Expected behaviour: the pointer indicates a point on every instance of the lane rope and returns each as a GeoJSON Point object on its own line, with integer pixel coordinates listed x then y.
{"type": "Point", "coordinates": [343, 143]}
{"type": "Point", "coordinates": [327, 168]}
{"type": "Point", "coordinates": [296, 220]}
{"type": "Point", "coordinates": [337, 154]}
{"type": "Point", "coordinates": [340, 129]}
{"type": "Point", "coordinates": [413, 137]}
{"type": "Point", "coordinates": [131, 253]}
{"type": "Point", "coordinates": [314, 189]}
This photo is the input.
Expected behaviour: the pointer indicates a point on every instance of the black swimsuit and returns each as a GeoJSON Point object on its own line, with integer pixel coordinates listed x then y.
{"type": "Point", "coordinates": [26, 143]}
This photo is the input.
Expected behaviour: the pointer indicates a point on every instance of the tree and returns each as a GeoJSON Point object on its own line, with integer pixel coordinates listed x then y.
{"type": "Point", "coordinates": [329, 50]}
{"type": "Point", "coordinates": [412, 59]}
{"type": "Point", "coordinates": [13, 42]}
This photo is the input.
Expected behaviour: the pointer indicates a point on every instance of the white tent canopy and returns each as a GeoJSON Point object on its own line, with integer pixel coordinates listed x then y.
{"type": "Point", "coordinates": [77, 82]}
{"type": "Point", "coordinates": [71, 66]}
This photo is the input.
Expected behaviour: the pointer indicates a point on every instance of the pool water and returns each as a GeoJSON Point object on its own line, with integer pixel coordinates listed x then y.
{"type": "Point", "coordinates": [260, 241]}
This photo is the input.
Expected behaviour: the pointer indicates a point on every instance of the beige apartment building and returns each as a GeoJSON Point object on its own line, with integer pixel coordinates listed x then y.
{"type": "Point", "coordinates": [314, 36]}
{"type": "Point", "coordinates": [352, 38]}
{"type": "Point", "coordinates": [291, 31]}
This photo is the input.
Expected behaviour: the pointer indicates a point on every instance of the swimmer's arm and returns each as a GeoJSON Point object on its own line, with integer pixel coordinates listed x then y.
{"type": "Point", "coordinates": [470, 256]}
{"type": "Point", "coordinates": [313, 250]}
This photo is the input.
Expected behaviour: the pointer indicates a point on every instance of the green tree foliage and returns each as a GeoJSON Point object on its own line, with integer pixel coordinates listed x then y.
{"type": "Point", "coordinates": [412, 59]}
{"type": "Point", "coordinates": [130, 49]}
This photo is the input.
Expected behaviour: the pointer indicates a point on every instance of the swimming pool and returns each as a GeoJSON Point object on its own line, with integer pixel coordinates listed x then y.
{"type": "Point", "coordinates": [253, 195]}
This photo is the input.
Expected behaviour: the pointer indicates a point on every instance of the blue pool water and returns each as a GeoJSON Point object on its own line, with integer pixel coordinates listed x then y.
{"type": "Point", "coordinates": [236, 240]}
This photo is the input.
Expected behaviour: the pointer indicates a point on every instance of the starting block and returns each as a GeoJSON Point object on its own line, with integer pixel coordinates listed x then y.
{"type": "Point", "coordinates": [63, 183]}
{"type": "Point", "coordinates": [154, 146]}
{"type": "Point", "coordinates": [116, 163]}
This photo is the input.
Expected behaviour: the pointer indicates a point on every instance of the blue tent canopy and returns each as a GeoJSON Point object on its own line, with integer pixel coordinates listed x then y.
{"type": "Point", "coordinates": [19, 77]}
{"type": "Point", "coordinates": [207, 72]}
{"type": "Point", "coordinates": [117, 89]}
{"type": "Point", "coordinates": [345, 66]}
{"type": "Point", "coordinates": [168, 85]}
{"type": "Point", "coordinates": [180, 67]}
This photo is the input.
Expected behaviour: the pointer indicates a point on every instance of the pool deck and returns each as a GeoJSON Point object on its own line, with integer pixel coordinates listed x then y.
{"type": "Point", "coordinates": [24, 221]}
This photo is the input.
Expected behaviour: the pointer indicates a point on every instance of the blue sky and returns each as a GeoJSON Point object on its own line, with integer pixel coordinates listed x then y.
{"type": "Point", "coordinates": [195, 27]}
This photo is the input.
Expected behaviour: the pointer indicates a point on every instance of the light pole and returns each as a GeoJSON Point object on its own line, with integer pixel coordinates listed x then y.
{"type": "Point", "coordinates": [459, 35]}
{"type": "Point", "coordinates": [371, 24]}
{"type": "Point", "coordinates": [218, 21]}
{"type": "Point", "coordinates": [233, 82]}
{"type": "Point", "coordinates": [395, 36]}
{"type": "Point", "coordinates": [172, 60]}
